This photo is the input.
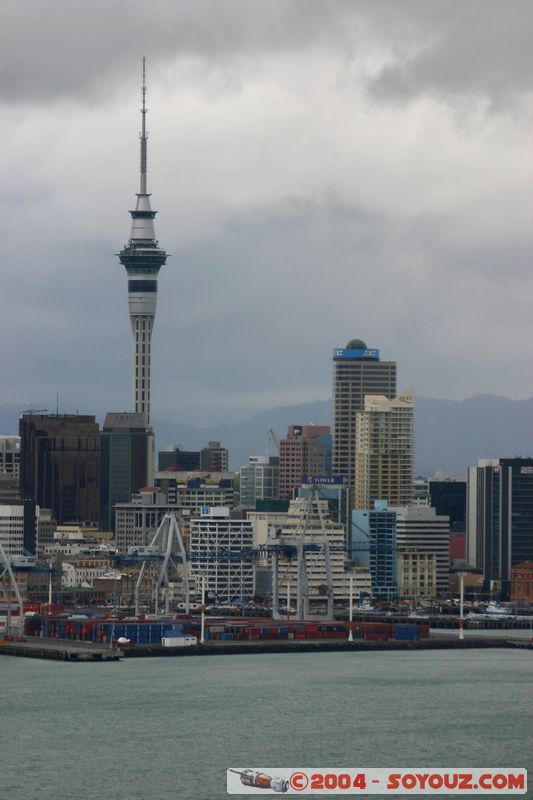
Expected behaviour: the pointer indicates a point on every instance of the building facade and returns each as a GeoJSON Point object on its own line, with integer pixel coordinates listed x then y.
{"type": "Point", "coordinates": [258, 480]}
{"type": "Point", "coordinates": [179, 459]}
{"type": "Point", "coordinates": [384, 450]}
{"type": "Point", "coordinates": [421, 529]}
{"type": "Point", "coordinates": [60, 465]}
{"type": "Point", "coordinates": [417, 574]}
{"type": "Point", "coordinates": [357, 372]}
{"type": "Point", "coordinates": [373, 545]}
{"type": "Point", "coordinates": [304, 451]}
{"type": "Point", "coordinates": [10, 456]}
{"type": "Point", "coordinates": [214, 458]}
{"type": "Point", "coordinates": [221, 551]}
{"type": "Point", "coordinates": [126, 462]}
{"type": "Point", "coordinates": [500, 519]}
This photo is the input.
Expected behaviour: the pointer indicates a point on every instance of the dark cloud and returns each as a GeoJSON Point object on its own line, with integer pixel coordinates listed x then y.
{"type": "Point", "coordinates": [83, 50]}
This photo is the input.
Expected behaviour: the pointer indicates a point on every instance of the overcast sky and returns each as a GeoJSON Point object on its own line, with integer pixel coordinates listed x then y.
{"type": "Point", "coordinates": [322, 170]}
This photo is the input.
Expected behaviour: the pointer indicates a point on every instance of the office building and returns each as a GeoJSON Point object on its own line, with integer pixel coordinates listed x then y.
{"type": "Point", "coordinates": [136, 522]}
{"type": "Point", "coordinates": [19, 528]}
{"type": "Point", "coordinates": [258, 480]}
{"type": "Point", "coordinates": [335, 491]}
{"type": "Point", "coordinates": [179, 459]}
{"type": "Point", "coordinates": [357, 372]}
{"type": "Point", "coordinates": [126, 462]}
{"type": "Point", "coordinates": [10, 456]}
{"type": "Point", "coordinates": [221, 552]}
{"type": "Point", "coordinates": [421, 529]}
{"type": "Point", "coordinates": [448, 496]}
{"type": "Point", "coordinates": [384, 450]}
{"type": "Point", "coordinates": [373, 545]}
{"type": "Point", "coordinates": [417, 574]}
{"type": "Point", "coordinates": [60, 465]}
{"type": "Point", "coordinates": [522, 582]}
{"type": "Point", "coordinates": [195, 490]}
{"type": "Point", "coordinates": [304, 451]}
{"type": "Point", "coordinates": [500, 519]}
{"type": "Point", "coordinates": [142, 258]}
{"type": "Point", "coordinates": [214, 458]}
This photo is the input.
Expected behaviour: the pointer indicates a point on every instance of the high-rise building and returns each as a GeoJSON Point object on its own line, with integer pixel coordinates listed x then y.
{"type": "Point", "coordinates": [448, 496]}
{"type": "Point", "coordinates": [420, 529]}
{"type": "Point", "coordinates": [373, 545]}
{"type": "Point", "coordinates": [357, 372]}
{"type": "Point", "coordinates": [214, 458]}
{"type": "Point", "coordinates": [143, 259]}
{"type": "Point", "coordinates": [384, 451]}
{"type": "Point", "coordinates": [303, 452]}
{"type": "Point", "coordinates": [258, 480]}
{"type": "Point", "coordinates": [500, 519]}
{"type": "Point", "coordinates": [126, 462]}
{"type": "Point", "coordinates": [60, 465]}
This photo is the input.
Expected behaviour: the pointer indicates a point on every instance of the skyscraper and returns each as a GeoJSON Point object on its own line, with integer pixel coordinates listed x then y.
{"type": "Point", "coordinates": [385, 451]}
{"type": "Point", "coordinates": [143, 259]}
{"type": "Point", "coordinates": [357, 371]}
{"type": "Point", "coordinates": [500, 519]}
{"type": "Point", "coordinates": [59, 464]}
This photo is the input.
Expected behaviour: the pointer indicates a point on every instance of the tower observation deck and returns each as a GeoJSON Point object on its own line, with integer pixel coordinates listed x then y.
{"type": "Point", "coordinates": [143, 258]}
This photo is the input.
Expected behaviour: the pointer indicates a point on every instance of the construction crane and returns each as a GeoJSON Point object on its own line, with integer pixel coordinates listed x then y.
{"type": "Point", "coordinates": [275, 440]}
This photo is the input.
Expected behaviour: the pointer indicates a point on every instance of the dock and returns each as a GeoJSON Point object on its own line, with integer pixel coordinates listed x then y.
{"type": "Point", "coordinates": [59, 650]}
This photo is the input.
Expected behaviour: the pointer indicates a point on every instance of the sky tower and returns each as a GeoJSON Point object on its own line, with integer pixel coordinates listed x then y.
{"type": "Point", "coordinates": [143, 259]}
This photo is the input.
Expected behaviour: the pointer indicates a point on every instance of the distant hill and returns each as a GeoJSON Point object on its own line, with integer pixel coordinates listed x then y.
{"type": "Point", "coordinates": [450, 434]}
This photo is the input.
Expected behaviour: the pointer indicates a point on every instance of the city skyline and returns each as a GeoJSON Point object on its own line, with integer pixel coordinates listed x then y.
{"type": "Point", "coordinates": [277, 177]}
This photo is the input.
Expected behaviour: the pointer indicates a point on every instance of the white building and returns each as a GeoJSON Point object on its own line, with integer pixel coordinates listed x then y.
{"type": "Point", "coordinates": [421, 528]}
{"type": "Point", "coordinates": [221, 549]}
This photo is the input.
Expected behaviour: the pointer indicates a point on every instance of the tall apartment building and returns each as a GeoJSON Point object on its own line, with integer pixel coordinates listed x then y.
{"type": "Point", "coordinates": [60, 464]}
{"type": "Point", "coordinates": [357, 372]}
{"type": "Point", "coordinates": [384, 450]}
{"type": "Point", "coordinates": [126, 461]}
{"type": "Point", "coordinates": [10, 456]}
{"type": "Point", "coordinates": [373, 545]}
{"type": "Point", "coordinates": [500, 519]}
{"type": "Point", "coordinates": [221, 551]}
{"type": "Point", "coordinates": [258, 480]}
{"type": "Point", "coordinates": [421, 529]}
{"type": "Point", "coordinates": [214, 458]}
{"type": "Point", "coordinates": [303, 452]}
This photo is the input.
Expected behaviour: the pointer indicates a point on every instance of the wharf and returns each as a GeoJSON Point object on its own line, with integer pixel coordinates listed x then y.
{"type": "Point", "coordinates": [59, 650]}
{"type": "Point", "coordinates": [217, 648]}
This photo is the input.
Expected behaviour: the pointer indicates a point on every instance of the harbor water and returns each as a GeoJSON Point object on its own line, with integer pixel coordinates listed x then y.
{"type": "Point", "coordinates": [168, 728]}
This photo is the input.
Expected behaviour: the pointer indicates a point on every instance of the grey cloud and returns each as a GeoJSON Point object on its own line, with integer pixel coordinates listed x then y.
{"type": "Point", "coordinates": [83, 50]}
{"type": "Point", "coordinates": [475, 48]}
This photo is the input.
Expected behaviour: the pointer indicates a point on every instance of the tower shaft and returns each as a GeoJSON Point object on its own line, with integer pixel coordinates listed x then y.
{"type": "Point", "coordinates": [143, 258]}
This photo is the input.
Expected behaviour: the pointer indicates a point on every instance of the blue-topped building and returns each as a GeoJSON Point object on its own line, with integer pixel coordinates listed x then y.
{"type": "Point", "coordinates": [357, 371]}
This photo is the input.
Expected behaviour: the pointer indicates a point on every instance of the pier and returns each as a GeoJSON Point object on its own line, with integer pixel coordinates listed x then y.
{"type": "Point", "coordinates": [59, 650]}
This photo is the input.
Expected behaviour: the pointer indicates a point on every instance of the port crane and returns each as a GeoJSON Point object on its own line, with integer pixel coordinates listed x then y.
{"type": "Point", "coordinates": [167, 548]}
{"type": "Point", "coordinates": [297, 544]}
{"type": "Point", "coordinates": [9, 587]}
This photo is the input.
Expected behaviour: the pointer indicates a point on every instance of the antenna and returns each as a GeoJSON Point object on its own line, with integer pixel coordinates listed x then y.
{"type": "Point", "coordinates": [144, 135]}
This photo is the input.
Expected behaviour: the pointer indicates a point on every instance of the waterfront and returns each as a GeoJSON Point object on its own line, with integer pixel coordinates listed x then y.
{"type": "Point", "coordinates": [169, 728]}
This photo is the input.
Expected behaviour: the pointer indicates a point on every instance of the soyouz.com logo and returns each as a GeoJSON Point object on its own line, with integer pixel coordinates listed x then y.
{"type": "Point", "coordinates": [408, 781]}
